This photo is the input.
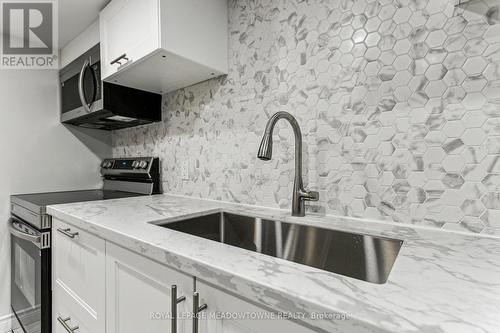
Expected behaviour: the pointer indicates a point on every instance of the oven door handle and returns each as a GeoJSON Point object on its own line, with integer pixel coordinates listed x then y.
{"type": "Point", "coordinates": [22, 235]}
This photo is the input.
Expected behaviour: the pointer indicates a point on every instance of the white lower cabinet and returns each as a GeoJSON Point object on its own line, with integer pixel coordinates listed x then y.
{"type": "Point", "coordinates": [78, 270]}
{"type": "Point", "coordinates": [100, 287]}
{"type": "Point", "coordinates": [139, 294]}
{"type": "Point", "coordinates": [225, 313]}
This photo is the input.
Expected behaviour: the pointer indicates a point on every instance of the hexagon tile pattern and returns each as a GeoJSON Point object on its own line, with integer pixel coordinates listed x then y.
{"type": "Point", "coordinates": [398, 102]}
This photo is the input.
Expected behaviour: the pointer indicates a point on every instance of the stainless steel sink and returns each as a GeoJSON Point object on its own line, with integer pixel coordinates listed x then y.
{"type": "Point", "coordinates": [362, 257]}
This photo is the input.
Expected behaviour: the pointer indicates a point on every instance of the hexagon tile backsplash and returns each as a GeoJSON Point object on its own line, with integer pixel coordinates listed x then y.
{"type": "Point", "coordinates": [398, 100]}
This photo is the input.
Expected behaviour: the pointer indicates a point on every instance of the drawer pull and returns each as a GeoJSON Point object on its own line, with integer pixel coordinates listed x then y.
{"type": "Point", "coordinates": [67, 232]}
{"type": "Point", "coordinates": [197, 308]}
{"type": "Point", "coordinates": [64, 323]}
{"type": "Point", "coordinates": [175, 300]}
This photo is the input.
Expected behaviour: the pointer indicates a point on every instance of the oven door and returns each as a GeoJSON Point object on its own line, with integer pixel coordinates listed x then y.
{"type": "Point", "coordinates": [30, 276]}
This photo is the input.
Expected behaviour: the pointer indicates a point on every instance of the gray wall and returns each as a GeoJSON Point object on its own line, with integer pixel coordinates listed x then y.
{"type": "Point", "coordinates": [37, 153]}
{"type": "Point", "coordinates": [397, 99]}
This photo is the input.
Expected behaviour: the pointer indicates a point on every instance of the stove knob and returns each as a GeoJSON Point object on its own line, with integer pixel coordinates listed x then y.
{"type": "Point", "coordinates": [103, 164]}
{"type": "Point", "coordinates": [143, 164]}
{"type": "Point", "coordinates": [135, 164]}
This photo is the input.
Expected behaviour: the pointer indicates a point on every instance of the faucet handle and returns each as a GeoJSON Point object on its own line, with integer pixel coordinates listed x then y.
{"type": "Point", "coordinates": [309, 195]}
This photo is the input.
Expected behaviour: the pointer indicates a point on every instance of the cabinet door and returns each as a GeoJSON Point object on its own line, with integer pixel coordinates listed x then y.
{"type": "Point", "coordinates": [79, 273]}
{"type": "Point", "coordinates": [128, 27]}
{"type": "Point", "coordinates": [226, 313]}
{"type": "Point", "coordinates": [138, 293]}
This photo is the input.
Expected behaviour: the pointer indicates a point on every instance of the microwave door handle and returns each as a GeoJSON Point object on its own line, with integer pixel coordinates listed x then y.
{"type": "Point", "coordinates": [81, 91]}
{"type": "Point", "coordinates": [22, 235]}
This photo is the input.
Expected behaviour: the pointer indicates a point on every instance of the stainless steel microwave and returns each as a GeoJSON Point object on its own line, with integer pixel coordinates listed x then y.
{"type": "Point", "coordinates": [87, 101]}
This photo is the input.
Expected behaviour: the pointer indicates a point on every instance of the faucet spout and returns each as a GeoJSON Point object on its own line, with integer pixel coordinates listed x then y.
{"type": "Point", "coordinates": [266, 151]}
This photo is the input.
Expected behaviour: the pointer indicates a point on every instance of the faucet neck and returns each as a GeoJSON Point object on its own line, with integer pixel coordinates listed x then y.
{"type": "Point", "coordinates": [265, 153]}
{"type": "Point", "coordinates": [298, 142]}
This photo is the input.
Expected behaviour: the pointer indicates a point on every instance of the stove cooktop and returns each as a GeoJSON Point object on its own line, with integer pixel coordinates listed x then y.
{"type": "Point", "coordinates": [37, 202]}
{"type": "Point", "coordinates": [54, 198]}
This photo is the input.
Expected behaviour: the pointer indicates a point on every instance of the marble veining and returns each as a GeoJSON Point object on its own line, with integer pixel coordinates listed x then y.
{"type": "Point", "coordinates": [397, 100]}
{"type": "Point", "coordinates": [441, 281]}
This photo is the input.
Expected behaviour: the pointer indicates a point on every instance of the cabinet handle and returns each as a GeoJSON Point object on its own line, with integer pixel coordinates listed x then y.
{"type": "Point", "coordinates": [197, 308]}
{"type": "Point", "coordinates": [67, 232]}
{"type": "Point", "coordinates": [175, 300]}
{"type": "Point", "coordinates": [64, 323]}
{"type": "Point", "coordinates": [117, 60]}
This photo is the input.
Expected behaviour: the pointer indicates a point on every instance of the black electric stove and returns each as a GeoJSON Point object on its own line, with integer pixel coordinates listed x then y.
{"type": "Point", "coordinates": [30, 228]}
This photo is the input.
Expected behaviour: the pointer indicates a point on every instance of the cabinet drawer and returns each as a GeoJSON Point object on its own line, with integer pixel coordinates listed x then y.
{"type": "Point", "coordinates": [68, 313]}
{"type": "Point", "coordinates": [79, 266]}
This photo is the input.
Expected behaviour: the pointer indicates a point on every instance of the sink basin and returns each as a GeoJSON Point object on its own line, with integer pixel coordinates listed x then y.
{"type": "Point", "coordinates": [362, 257]}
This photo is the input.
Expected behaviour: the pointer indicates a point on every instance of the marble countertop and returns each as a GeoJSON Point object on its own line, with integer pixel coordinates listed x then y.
{"type": "Point", "coordinates": [440, 282]}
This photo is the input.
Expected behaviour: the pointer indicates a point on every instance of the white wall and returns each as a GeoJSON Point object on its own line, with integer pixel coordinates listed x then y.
{"type": "Point", "coordinates": [83, 42]}
{"type": "Point", "coordinates": [37, 153]}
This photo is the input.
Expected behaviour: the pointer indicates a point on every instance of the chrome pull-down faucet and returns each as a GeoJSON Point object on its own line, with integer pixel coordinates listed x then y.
{"type": "Point", "coordinates": [266, 152]}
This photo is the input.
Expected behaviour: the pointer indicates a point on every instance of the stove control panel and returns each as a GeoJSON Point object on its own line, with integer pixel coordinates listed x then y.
{"type": "Point", "coordinates": [126, 165]}
{"type": "Point", "coordinates": [135, 174]}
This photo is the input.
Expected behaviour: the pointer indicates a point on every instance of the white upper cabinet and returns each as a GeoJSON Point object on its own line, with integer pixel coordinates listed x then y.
{"type": "Point", "coordinates": [129, 28]}
{"type": "Point", "coordinates": [163, 45]}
